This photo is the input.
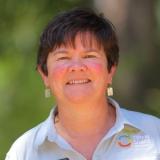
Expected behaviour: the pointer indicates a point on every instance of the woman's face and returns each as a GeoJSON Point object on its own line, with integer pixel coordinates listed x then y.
{"type": "Point", "coordinates": [78, 74]}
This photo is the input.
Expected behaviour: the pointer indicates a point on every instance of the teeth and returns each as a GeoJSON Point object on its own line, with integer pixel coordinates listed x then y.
{"type": "Point", "coordinates": [78, 81]}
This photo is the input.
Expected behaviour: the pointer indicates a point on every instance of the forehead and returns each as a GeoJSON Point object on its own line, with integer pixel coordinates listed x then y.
{"type": "Point", "coordinates": [83, 39]}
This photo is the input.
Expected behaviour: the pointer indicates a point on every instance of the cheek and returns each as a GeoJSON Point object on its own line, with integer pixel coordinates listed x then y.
{"type": "Point", "coordinates": [56, 72]}
{"type": "Point", "coordinates": [98, 67]}
{"type": "Point", "coordinates": [100, 72]}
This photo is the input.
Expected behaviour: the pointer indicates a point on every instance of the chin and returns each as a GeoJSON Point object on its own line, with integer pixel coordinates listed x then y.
{"type": "Point", "coordinates": [78, 93]}
{"type": "Point", "coordinates": [78, 98]}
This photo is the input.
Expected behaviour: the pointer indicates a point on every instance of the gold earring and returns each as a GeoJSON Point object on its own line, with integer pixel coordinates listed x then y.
{"type": "Point", "coordinates": [110, 91]}
{"type": "Point", "coordinates": [47, 93]}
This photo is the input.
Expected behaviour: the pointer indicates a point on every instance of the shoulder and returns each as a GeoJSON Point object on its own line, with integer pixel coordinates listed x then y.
{"type": "Point", "coordinates": [23, 144]}
{"type": "Point", "coordinates": [144, 121]}
{"type": "Point", "coordinates": [139, 115]}
{"type": "Point", "coordinates": [149, 124]}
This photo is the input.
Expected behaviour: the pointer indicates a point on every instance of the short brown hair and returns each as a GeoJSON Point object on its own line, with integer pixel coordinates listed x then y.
{"type": "Point", "coordinates": [64, 28]}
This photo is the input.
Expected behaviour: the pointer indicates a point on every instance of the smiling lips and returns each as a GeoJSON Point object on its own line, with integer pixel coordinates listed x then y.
{"type": "Point", "coordinates": [82, 81]}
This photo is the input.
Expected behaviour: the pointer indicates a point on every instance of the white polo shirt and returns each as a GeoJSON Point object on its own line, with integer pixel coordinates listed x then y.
{"type": "Point", "coordinates": [135, 136]}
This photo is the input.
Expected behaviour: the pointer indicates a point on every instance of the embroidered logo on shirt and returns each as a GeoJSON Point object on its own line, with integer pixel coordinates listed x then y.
{"type": "Point", "coordinates": [132, 136]}
{"type": "Point", "coordinates": [124, 140]}
{"type": "Point", "coordinates": [141, 140]}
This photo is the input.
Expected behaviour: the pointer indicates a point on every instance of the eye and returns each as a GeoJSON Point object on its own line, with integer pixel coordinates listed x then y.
{"type": "Point", "coordinates": [62, 58]}
{"type": "Point", "coordinates": [90, 56]}
{"type": "Point", "coordinates": [61, 55]}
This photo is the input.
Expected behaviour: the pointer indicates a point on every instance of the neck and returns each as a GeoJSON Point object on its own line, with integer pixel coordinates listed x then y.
{"type": "Point", "coordinates": [85, 119]}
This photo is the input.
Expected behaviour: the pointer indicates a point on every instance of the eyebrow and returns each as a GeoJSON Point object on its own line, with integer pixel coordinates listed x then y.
{"type": "Point", "coordinates": [64, 51]}
{"type": "Point", "coordinates": [91, 50]}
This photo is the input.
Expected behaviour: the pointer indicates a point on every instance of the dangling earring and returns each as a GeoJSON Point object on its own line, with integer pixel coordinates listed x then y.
{"type": "Point", "coordinates": [110, 91]}
{"type": "Point", "coordinates": [47, 93]}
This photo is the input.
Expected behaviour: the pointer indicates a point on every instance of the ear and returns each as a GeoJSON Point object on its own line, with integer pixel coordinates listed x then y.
{"type": "Point", "coordinates": [111, 74]}
{"type": "Point", "coordinates": [43, 76]}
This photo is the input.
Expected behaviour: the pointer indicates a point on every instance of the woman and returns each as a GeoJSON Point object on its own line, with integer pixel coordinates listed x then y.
{"type": "Point", "coordinates": [77, 59]}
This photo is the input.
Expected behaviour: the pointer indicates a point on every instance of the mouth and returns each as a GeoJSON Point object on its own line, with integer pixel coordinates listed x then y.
{"type": "Point", "coordinates": [80, 81]}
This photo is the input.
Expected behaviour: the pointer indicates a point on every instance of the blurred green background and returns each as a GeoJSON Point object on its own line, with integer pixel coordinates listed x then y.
{"type": "Point", "coordinates": [136, 84]}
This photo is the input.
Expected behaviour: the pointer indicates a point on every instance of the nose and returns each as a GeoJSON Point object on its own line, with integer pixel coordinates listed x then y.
{"type": "Point", "coordinates": [77, 65]}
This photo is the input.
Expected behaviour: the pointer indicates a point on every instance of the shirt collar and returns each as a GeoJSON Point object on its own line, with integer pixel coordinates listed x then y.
{"type": "Point", "coordinates": [48, 132]}
{"type": "Point", "coordinates": [121, 119]}
{"type": "Point", "coordinates": [47, 128]}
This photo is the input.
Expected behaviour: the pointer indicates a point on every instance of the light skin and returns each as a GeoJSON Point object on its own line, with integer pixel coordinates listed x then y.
{"type": "Point", "coordinates": [78, 77]}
